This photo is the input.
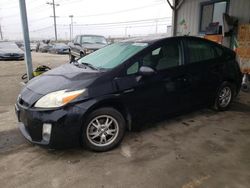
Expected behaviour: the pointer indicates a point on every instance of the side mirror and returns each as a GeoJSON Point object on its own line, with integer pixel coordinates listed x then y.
{"type": "Point", "coordinates": [146, 71]}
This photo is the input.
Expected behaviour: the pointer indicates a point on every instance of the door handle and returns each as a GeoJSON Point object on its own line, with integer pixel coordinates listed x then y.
{"type": "Point", "coordinates": [129, 90]}
{"type": "Point", "coordinates": [183, 79]}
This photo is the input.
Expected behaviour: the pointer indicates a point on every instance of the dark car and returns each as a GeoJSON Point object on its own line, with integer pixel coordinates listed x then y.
{"type": "Point", "coordinates": [86, 44]}
{"type": "Point", "coordinates": [10, 51]}
{"type": "Point", "coordinates": [94, 100]}
{"type": "Point", "coordinates": [59, 48]}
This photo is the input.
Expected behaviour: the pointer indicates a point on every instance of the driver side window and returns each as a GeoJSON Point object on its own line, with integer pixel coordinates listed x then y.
{"type": "Point", "coordinates": [161, 58]}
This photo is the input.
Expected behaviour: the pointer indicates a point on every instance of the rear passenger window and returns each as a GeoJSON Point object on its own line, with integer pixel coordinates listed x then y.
{"type": "Point", "coordinates": [200, 51]}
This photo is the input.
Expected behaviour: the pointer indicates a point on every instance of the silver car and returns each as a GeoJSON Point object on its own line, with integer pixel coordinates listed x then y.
{"type": "Point", "coordinates": [10, 51]}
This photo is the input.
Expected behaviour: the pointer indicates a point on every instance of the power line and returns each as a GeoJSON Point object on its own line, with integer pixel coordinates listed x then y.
{"type": "Point", "coordinates": [118, 12]}
{"type": "Point", "coordinates": [41, 29]}
{"type": "Point", "coordinates": [123, 22]}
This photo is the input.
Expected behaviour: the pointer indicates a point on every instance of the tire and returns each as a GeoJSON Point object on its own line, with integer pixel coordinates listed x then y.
{"type": "Point", "coordinates": [224, 96]}
{"type": "Point", "coordinates": [81, 54]}
{"type": "Point", "coordinates": [94, 131]}
{"type": "Point", "coordinates": [71, 57]}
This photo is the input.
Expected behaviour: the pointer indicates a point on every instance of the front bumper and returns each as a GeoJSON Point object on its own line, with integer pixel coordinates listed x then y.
{"type": "Point", "coordinates": [12, 57]}
{"type": "Point", "coordinates": [66, 125]}
{"type": "Point", "coordinates": [62, 51]}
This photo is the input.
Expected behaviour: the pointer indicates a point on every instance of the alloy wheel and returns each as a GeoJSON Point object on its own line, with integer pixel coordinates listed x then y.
{"type": "Point", "coordinates": [102, 130]}
{"type": "Point", "coordinates": [225, 96]}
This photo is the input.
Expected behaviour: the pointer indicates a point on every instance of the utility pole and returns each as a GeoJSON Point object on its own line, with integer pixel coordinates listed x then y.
{"type": "Point", "coordinates": [70, 37]}
{"type": "Point", "coordinates": [126, 31]}
{"type": "Point", "coordinates": [71, 31]}
{"type": "Point", "coordinates": [26, 37]}
{"type": "Point", "coordinates": [156, 26]}
{"type": "Point", "coordinates": [1, 33]}
{"type": "Point", "coordinates": [54, 15]}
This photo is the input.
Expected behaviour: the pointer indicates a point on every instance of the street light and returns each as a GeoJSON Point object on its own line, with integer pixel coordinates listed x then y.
{"type": "Point", "coordinates": [71, 28]}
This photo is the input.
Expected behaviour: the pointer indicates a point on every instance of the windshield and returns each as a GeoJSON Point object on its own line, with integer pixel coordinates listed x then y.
{"type": "Point", "coordinates": [112, 55]}
{"type": "Point", "coordinates": [8, 45]}
{"type": "Point", "coordinates": [94, 40]}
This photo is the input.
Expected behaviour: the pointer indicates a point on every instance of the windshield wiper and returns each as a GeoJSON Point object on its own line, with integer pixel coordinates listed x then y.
{"type": "Point", "coordinates": [84, 65]}
{"type": "Point", "coordinates": [89, 65]}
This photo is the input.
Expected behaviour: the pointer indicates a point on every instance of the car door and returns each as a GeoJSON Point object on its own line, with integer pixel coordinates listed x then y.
{"type": "Point", "coordinates": [157, 94]}
{"type": "Point", "coordinates": [204, 68]}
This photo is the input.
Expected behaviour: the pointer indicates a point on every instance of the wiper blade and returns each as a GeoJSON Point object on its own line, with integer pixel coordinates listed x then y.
{"type": "Point", "coordinates": [90, 66]}
{"type": "Point", "coordinates": [77, 64]}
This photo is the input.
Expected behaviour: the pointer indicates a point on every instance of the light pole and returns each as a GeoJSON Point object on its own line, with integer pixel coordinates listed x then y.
{"type": "Point", "coordinates": [54, 15]}
{"type": "Point", "coordinates": [156, 26]}
{"type": "Point", "coordinates": [1, 33]}
{"type": "Point", "coordinates": [26, 38]}
{"type": "Point", "coordinates": [71, 31]}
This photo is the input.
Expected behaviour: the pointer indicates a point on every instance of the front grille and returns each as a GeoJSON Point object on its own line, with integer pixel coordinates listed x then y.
{"type": "Point", "coordinates": [13, 54]}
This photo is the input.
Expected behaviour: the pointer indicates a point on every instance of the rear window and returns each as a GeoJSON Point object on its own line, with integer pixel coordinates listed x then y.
{"type": "Point", "coordinates": [199, 51]}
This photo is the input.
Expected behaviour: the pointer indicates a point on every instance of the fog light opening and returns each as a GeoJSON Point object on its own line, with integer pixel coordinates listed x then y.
{"type": "Point", "coordinates": [47, 131]}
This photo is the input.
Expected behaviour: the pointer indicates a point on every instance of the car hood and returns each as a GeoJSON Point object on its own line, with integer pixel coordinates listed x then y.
{"type": "Point", "coordinates": [10, 50]}
{"type": "Point", "coordinates": [67, 76]}
{"type": "Point", "coordinates": [93, 46]}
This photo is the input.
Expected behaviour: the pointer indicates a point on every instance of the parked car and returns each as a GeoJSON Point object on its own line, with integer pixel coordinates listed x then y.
{"type": "Point", "coordinates": [10, 51]}
{"type": "Point", "coordinates": [43, 47]}
{"type": "Point", "coordinates": [95, 99]}
{"type": "Point", "coordinates": [59, 48]}
{"type": "Point", "coordinates": [33, 46]}
{"type": "Point", "coordinates": [85, 44]}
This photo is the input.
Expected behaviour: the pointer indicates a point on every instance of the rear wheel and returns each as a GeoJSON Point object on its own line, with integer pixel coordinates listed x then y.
{"type": "Point", "coordinates": [103, 130]}
{"type": "Point", "coordinates": [224, 97]}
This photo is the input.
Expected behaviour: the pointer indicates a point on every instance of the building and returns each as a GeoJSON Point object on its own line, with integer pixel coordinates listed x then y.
{"type": "Point", "coordinates": [193, 16]}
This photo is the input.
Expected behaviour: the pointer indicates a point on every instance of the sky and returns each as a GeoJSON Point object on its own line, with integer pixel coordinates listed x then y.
{"type": "Point", "coordinates": [111, 18]}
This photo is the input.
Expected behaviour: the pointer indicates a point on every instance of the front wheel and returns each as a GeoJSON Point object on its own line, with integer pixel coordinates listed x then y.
{"type": "Point", "coordinates": [224, 97]}
{"type": "Point", "coordinates": [71, 57]}
{"type": "Point", "coordinates": [103, 130]}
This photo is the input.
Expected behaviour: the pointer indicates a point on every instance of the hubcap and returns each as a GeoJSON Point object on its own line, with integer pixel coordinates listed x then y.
{"type": "Point", "coordinates": [102, 130]}
{"type": "Point", "coordinates": [225, 97]}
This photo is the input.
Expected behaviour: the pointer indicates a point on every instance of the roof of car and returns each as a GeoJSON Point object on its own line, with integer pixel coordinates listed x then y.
{"type": "Point", "coordinates": [147, 39]}
{"type": "Point", "coordinates": [92, 35]}
{"type": "Point", "coordinates": [153, 39]}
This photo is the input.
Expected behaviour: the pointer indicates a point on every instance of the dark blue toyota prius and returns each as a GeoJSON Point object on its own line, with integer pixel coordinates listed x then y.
{"type": "Point", "coordinates": [94, 100]}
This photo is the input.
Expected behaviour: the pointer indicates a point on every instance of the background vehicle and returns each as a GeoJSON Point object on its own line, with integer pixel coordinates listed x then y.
{"type": "Point", "coordinates": [9, 50]}
{"type": "Point", "coordinates": [43, 47]}
{"type": "Point", "coordinates": [59, 48]}
{"type": "Point", "coordinates": [96, 98]}
{"type": "Point", "coordinates": [86, 44]}
{"type": "Point", "coordinates": [33, 46]}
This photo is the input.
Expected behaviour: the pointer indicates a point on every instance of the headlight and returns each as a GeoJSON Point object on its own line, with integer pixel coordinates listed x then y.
{"type": "Point", "coordinates": [58, 98]}
{"type": "Point", "coordinates": [88, 51]}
